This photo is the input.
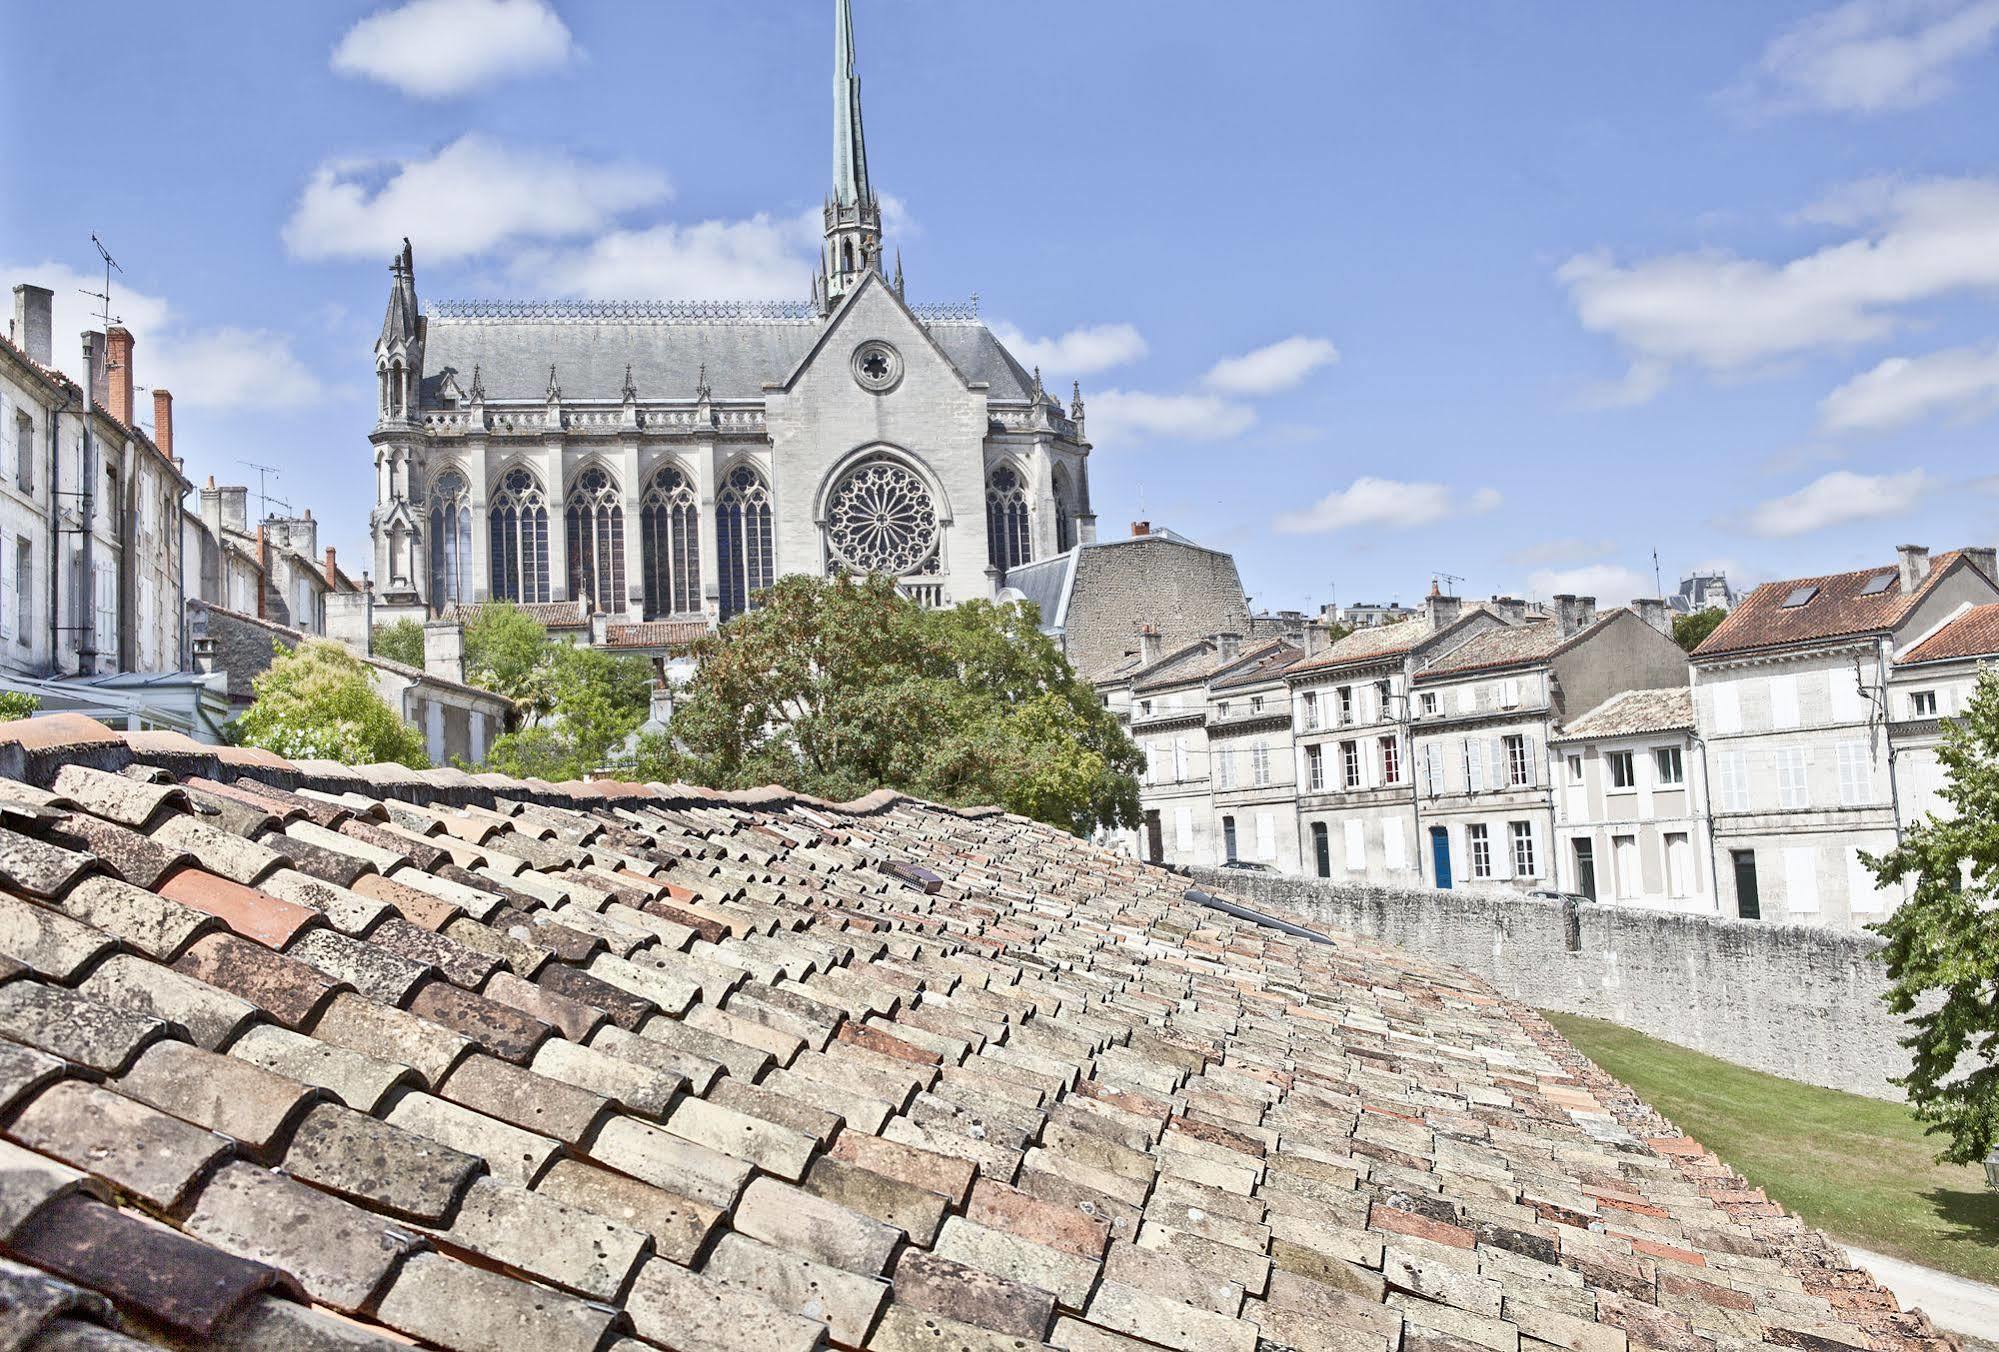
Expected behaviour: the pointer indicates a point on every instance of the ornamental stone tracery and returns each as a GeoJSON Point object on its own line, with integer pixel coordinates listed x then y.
{"type": "Point", "coordinates": [882, 519]}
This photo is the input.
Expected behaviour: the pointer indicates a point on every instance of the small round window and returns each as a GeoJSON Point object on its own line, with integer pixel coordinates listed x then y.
{"type": "Point", "coordinates": [877, 366]}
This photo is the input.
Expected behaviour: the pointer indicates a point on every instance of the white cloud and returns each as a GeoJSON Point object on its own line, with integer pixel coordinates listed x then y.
{"type": "Point", "coordinates": [1870, 56]}
{"type": "Point", "coordinates": [1125, 415]}
{"type": "Point", "coordinates": [471, 197]}
{"type": "Point", "coordinates": [1612, 584]}
{"type": "Point", "coordinates": [1368, 501]}
{"type": "Point", "coordinates": [1727, 313]}
{"type": "Point", "coordinates": [1901, 390]}
{"type": "Point", "coordinates": [438, 48]}
{"type": "Point", "coordinates": [209, 368]}
{"type": "Point", "coordinates": [1079, 352]}
{"type": "Point", "coordinates": [1837, 498]}
{"type": "Point", "coordinates": [1269, 370]}
{"type": "Point", "coordinates": [758, 259]}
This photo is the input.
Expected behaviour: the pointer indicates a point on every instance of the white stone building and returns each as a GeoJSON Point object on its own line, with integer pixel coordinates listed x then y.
{"type": "Point", "coordinates": [1791, 697]}
{"type": "Point", "coordinates": [665, 460]}
{"type": "Point", "coordinates": [1930, 682]}
{"type": "Point", "coordinates": [1631, 803]}
{"type": "Point", "coordinates": [1252, 760]}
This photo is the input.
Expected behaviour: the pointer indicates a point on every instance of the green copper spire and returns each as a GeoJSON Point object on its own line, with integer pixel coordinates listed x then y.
{"type": "Point", "coordinates": [850, 147]}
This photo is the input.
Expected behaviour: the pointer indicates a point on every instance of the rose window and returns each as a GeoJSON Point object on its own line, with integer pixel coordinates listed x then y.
{"type": "Point", "coordinates": [882, 520]}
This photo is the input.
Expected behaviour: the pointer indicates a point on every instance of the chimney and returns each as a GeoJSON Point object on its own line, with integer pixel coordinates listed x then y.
{"type": "Point", "coordinates": [1228, 646]}
{"type": "Point", "coordinates": [1318, 635]}
{"type": "Point", "coordinates": [1655, 611]}
{"type": "Point", "coordinates": [1914, 562]}
{"type": "Point", "coordinates": [97, 372]}
{"type": "Point", "coordinates": [444, 650]}
{"type": "Point", "coordinates": [1141, 528]}
{"type": "Point", "coordinates": [1574, 613]}
{"type": "Point", "coordinates": [332, 571]}
{"type": "Point", "coordinates": [1443, 610]}
{"type": "Point", "coordinates": [235, 508]}
{"type": "Point", "coordinates": [1148, 645]}
{"type": "Point", "coordinates": [1511, 609]}
{"type": "Point", "coordinates": [34, 322]}
{"type": "Point", "coordinates": [1985, 559]}
{"type": "Point", "coordinates": [118, 374]}
{"type": "Point", "coordinates": [163, 422]}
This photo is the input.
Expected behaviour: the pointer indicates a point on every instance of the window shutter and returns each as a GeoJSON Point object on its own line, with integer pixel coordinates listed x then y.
{"type": "Point", "coordinates": [1541, 868]}
{"type": "Point", "coordinates": [10, 581]}
{"type": "Point", "coordinates": [1533, 751]}
{"type": "Point", "coordinates": [1495, 762]}
{"type": "Point", "coordinates": [10, 442]}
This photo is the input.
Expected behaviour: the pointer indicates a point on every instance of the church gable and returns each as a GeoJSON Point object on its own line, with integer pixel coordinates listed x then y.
{"type": "Point", "coordinates": [875, 340]}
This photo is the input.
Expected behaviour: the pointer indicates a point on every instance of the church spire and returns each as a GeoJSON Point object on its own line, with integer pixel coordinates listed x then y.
{"type": "Point", "coordinates": [853, 217]}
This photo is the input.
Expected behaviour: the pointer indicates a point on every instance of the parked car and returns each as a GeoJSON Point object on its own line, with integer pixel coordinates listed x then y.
{"type": "Point", "coordinates": [1248, 866]}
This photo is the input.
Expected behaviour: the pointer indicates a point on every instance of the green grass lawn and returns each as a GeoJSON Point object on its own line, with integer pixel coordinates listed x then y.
{"type": "Point", "coordinates": [1857, 1168]}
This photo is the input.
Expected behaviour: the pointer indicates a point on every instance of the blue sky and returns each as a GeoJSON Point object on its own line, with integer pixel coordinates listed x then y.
{"type": "Point", "coordinates": [1360, 292]}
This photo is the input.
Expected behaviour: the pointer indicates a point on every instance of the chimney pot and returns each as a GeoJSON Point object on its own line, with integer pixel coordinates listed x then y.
{"type": "Point", "coordinates": [1141, 528]}
{"type": "Point", "coordinates": [1913, 563]}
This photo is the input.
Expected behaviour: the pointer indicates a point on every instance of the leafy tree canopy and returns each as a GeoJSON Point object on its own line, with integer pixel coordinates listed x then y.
{"type": "Point", "coordinates": [319, 700]}
{"type": "Point", "coordinates": [1943, 943]}
{"type": "Point", "coordinates": [579, 705]}
{"type": "Point", "coordinates": [1690, 631]}
{"type": "Point", "coordinates": [17, 704]}
{"type": "Point", "coordinates": [401, 641]}
{"type": "Point", "coordinates": [836, 688]}
{"type": "Point", "coordinates": [507, 650]}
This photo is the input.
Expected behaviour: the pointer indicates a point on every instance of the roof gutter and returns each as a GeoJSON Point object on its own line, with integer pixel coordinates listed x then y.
{"type": "Point", "coordinates": [1214, 903]}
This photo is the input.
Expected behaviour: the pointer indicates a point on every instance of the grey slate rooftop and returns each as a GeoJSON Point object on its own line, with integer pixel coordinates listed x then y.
{"type": "Point", "coordinates": [316, 1058]}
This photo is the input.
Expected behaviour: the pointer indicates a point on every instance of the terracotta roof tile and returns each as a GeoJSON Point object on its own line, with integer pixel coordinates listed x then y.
{"type": "Point", "coordinates": [1975, 633]}
{"type": "Point", "coordinates": [1840, 605]}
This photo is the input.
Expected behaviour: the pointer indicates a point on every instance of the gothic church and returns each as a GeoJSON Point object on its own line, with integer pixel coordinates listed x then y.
{"type": "Point", "coordinates": [663, 460]}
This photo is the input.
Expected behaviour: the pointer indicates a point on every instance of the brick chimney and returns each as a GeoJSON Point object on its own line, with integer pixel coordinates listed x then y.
{"type": "Point", "coordinates": [1141, 528]}
{"type": "Point", "coordinates": [1913, 561]}
{"type": "Point", "coordinates": [332, 571]}
{"type": "Point", "coordinates": [163, 422]}
{"type": "Point", "coordinates": [34, 322]}
{"type": "Point", "coordinates": [118, 373]}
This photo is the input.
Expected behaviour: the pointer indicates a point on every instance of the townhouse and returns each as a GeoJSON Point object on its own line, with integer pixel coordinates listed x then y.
{"type": "Point", "coordinates": [1795, 700]}
{"type": "Point", "coordinates": [1252, 770]}
{"type": "Point", "coordinates": [1631, 803]}
{"type": "Point", "coordinates": [1484, 714]}
{"type": "Point", "coordinates": [1930, 682]}
{"type": "Point", "coordinates": [1357, 804]}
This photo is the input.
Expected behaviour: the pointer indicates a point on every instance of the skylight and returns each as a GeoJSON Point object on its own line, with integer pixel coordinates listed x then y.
{"type": "Point", "coordinates": [1800, 595]}
{"type": "Point", "coordinates": [1879, 583]}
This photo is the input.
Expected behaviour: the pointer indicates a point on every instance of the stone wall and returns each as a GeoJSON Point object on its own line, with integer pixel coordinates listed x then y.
{"type": "Point", "coordinates": [1181, 589]}
{"type": "Point", "coordinates": [1796, 1001]}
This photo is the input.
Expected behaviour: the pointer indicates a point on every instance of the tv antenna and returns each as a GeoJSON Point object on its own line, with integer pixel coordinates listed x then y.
{"type": "Point", "coordinates": [103, 298]}
{"type": "Point", "coordinates": [1657, 580]}
{"type": "Point", "coordinates": [264, 499]}
{"type": "Point", "coordinates": [1446, 579]}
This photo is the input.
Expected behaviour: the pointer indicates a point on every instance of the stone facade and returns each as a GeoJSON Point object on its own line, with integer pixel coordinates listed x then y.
{"type": "Point", "coordinates": [1632, 805]}
{"type": "Point", "coordinates": [664, 461]}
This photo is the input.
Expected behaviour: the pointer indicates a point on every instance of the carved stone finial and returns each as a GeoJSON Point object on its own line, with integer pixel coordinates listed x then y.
{"type": "Point", "coordinates": [898, 277]}
{"type": "Point", "coordinates": [701, 390]}
{"type": "Point", "coordinates": [478, 394]}
{"type": "Point", "coordinates": [554, 390]}
{"type": "Point", "coordinates": [1039, 393]}
{"type": "Point", "coordinates": [1076, 400]}
{"type": "Point", "coordinates": [631, 391]}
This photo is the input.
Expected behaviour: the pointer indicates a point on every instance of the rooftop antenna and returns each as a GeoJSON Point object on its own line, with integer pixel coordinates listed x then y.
{"type": "Point", "coordinates": [1657, 580]}
{"type": "Point", "coordinates": [103, 298]}
{"type": "Point", "coordinates": [1446, 579]}
{"type": "Point", "coordinates": [264, 499]}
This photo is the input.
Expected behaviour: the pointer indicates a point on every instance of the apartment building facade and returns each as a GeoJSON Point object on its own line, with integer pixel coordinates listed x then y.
{"type": "Point", "coordinates": [1252, 769]}
{"type": "Point", "coordinates": [1930, 681]}
{"type": "Point", "coordinates": [1794, 696]}
{"type": "Point", "coordinates": [1631, 803]}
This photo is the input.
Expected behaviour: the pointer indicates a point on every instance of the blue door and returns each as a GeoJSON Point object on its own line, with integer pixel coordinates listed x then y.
{"type": "Point", "coordinates": [1440, 855]}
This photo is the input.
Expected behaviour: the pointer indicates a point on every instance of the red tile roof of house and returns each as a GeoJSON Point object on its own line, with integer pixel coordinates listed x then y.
{"type": "Point", "coordinates": [656, 634]}
{"type": "Point", "coordinates": [1838, 609]}
{"type": "Point", "coordinates": [1975, 633]}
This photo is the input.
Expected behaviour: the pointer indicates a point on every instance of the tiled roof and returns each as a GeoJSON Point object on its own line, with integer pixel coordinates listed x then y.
{"type": "Point", "coordinates": [298, 1056]}
{"type": "Point", "coordinates": [1975, 633]}
{"type": "Point", "coordinates": [1837, 609]}
{"type": "Point", "coordinates": [1537, 640]}
{"type": "Point", "coordinates": [548, 614]}
{"type": "Point", "coordinates": [1373, 641]}
{"type": "Point", "coordinates": [1269, 667]}
{"type": "Point", "coordinates": [655, 634]}
{"type": "Point", "coordinates": [293, 637]}
{"type": "Point", "coordinates": [1632, 712]}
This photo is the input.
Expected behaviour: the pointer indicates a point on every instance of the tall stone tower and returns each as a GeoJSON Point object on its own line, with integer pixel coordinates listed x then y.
{"type": "Point", "coordinates": [853, 216]}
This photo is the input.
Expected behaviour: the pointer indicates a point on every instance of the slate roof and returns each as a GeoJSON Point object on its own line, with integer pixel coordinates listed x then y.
{"type": "Point", "coordinates": [668, 356]}
{"type": "Point", "coordinates": [1975, 633]}
{"type": "Point", "coordinates": [1632, 712]}
{"type": "Point", "coordinates": [1837, 610]}
{"type": "Point", "coordinates": [310, 1058]}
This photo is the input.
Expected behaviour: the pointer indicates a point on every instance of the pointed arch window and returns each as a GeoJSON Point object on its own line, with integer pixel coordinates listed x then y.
{"type": "Point", "coordinates": [746, 562]}
{"type": "Point", "coordinates": [1065, 512]}
{"type": "Point", "coordinates": [518, 539]}
{"type": "Point", "coordinates": [450, 541]}
{"type": "Point", "coordinates": [595, 521]}
{"type": "Point", "coordinates": [1007, 544]}
{"type": "Point", "coordinates": [670, 546]}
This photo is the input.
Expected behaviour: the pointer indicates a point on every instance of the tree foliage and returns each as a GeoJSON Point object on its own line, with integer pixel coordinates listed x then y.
{"type": "Point", "coordinates": [400, 641]}
{"type": "Point", "coordinates": [836, 688]}
{"type": "Point", "coordinates": [1943, 943]}
{"type": "Point", "coordinates": [507, 651]}
{"type": "Point", "coordinates": [1690, 631]}
{"type": "Point", "coordinates": [319, 701]}
{"type": "Point", "coordinates": [578, 705]}
{"type": "Point", "coordinates": [18, 704]}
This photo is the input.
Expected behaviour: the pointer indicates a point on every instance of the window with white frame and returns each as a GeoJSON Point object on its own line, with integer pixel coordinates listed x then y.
{"type": "Point", "coordinates": [1222, 709]}
{"type": "Point", "coordinates": [1509, 694]}
{"type": "Point", "coordinates": [1519, 764]}
{"type": "Point", "coordinates": [1784, 701]}
{"type": "Point", "coordinates": [1922, 704]}
{"type": "Point", "coordinates": [1479, 841]}
{"type": "Point", "coordinates": [1575, 769]}
{"type": "Point", "coordinates": [1315, 768]}
{"type": "Point", "coordinates": [1670, 766]}
{"type": "Point", "coordinates": [1856, 783]}
{"type": "Point", "coordinates": [1308, 709]}
{"type": "Point", "coordinates": [1256, 704]}
{"type": "Point", "coordinates": [1224, 768]}
{"type": "Point", "coordinates": [1474, 765]}
{"type": "Point", "coordinates": [1623, 769]}
{"type": "Point", "coordinates": [1391, 760]}
{"type": "Point", "coordinates": [1793, 785]}
{"type": "Point", "coordinates": [1428, 701]}
{"type": "Point", "coordinates": [1346, 704]}
{"type": "Point", "coordinates": [1732, 781]}
{"type": "Point", "coordinates": [1259, 763]}
{"type": "Point", "coordinates": [24, 592]}
{"type": "Point", "coordinates": [1624, 860]}
{"type": "Point", "coordinates": [1524, 863]}
{"type": "Point", "coordinates": [1350, 763]}
{"type": "Point", "coordinates": [1679, 864]}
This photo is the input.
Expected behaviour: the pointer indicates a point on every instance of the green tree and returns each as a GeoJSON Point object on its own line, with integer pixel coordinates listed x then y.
{"type": "Point", "coordinates": [319, 701]}
{"type": "Point", "coordinates": [836, 688]}
{"type": "Point", "coordinates": [1943, 943]}
{"type": "Point", "coordinates": [401, 641]}
{"type": "Point", "coordinates": [1690, 631]}
{"type": "Point", "coordinates": [507, 650]}
{"type": "Point", "coordinates": [18, 704]}
{"type": "Point", "coordinates": [596, 700]}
